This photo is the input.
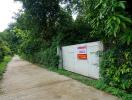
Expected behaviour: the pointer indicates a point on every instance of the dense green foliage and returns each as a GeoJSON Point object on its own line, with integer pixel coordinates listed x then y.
{"type": "Point", "coordinates": [45, 25]}
{"type": "Point", "coordinates": [117, 67]}
{"type": "Point", "coordinates": [112, 24]}
{"type": "Point", "coordinates": [3, 65]}
{"type": "Point", "coordinates": [4, 48]}
{"type": "Point", "coordinates": [1, 52]}
{"type": "Point", "coordinates": [5, 53]}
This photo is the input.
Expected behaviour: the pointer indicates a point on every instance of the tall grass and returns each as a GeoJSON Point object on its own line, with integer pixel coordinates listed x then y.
{"type": "Point", "coordinates": [3, 65]}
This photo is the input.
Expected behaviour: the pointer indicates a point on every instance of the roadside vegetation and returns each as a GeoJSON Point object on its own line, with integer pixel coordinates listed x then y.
{"type": "Point", "coordinates": [42, 26]}
{"type": "Point", "coordinates": [5, 55]}
{"type": "Point", "coordinates": [3, 65]}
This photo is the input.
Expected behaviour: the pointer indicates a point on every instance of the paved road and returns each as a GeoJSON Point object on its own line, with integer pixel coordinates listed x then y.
{"type": "Point", "coordinates": [25, 81]}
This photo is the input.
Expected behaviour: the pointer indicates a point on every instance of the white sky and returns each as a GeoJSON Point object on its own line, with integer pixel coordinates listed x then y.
{"type": "Point", "coordinates": [7, 10]}
{"type": "Point", "coordinates": [74, 15]}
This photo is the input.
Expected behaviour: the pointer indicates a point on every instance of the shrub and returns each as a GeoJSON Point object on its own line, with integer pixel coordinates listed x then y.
{"type": "Point", "coordinates": [1, 50]}
{"type": "Point", "coordinates": [47, 57]}
{"type": "Point", "coordinates": [4, 50]}
{"type": "Point", "coordinates": [1, 54]}
{"type": "Point", "coordinates": [116, 68]}
{"type": "Point", "coordinates": [3, 65]}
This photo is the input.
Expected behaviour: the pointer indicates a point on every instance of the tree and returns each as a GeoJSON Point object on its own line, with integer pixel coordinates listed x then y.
{"type": "Point", "coordinates": [4, 49]}
{"type": "Point", "coordinates": [44, 25]}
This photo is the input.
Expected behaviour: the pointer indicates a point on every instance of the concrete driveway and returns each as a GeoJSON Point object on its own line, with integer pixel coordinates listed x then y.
{"type": "Point", "coordinates": [25, 81]}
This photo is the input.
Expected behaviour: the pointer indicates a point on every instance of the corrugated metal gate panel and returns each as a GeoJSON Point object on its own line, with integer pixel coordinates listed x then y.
{"type": "Point", "coordinates": [68, 58]}
{"type": "Point", "coordinates": [88, 67]}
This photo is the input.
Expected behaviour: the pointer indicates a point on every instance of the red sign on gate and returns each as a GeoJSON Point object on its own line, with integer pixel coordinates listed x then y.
{"type": "Point", "coordinates": [82, 56]}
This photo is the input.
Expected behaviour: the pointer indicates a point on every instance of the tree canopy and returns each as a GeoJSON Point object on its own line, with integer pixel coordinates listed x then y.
{"type": "Point", "coordinates": [44, 25]}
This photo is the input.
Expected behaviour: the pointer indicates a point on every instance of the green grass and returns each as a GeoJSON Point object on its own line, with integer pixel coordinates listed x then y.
{"type": "Point", "coordinates": [3, 65]}
{"type": "Point", "coordinates": [98, 84]}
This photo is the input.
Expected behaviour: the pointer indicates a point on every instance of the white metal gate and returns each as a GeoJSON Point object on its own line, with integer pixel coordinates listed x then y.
{"type": "Point", "coordinates": [82, 58]}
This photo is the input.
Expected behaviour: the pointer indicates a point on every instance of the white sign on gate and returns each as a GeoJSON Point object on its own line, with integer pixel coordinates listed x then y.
{"type": "Point", "coordinates": [82, 52]}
